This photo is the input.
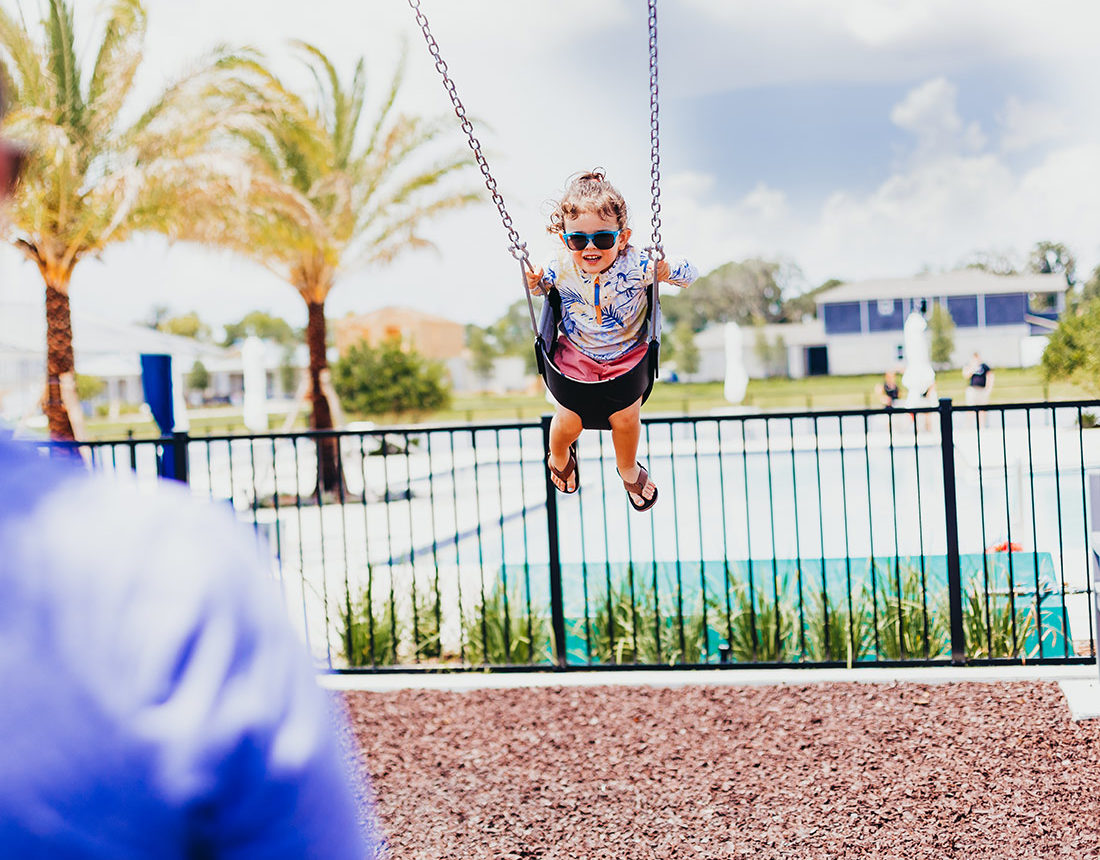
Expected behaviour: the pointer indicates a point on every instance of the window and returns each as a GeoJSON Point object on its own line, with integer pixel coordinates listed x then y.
{"type": "Point", "coordinates": [963, 310]}
{"type": "Point", "coordinates": [886, 315]}
{"type": "Point", "coordinates": [842, 318]}
{"type": "Point", "coordinates": [1008, 309]}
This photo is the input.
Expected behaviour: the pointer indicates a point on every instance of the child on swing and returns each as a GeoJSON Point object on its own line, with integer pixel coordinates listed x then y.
{"type": "Point", "coordinates": [602, 280]}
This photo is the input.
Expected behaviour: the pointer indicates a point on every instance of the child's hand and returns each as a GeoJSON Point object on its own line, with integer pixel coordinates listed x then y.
{"type": "Point", "coordinates": [534, 280]}
{"type": "Point", "coordinates": [663, 270]}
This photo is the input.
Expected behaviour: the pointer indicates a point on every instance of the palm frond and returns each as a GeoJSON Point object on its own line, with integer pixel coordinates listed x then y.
{"type": "Point", "coordinates": [116, 64]}
{"type": "Point", "coordinates": [62, 62]}
{"type": "Point", "coordinates": [28, 80]}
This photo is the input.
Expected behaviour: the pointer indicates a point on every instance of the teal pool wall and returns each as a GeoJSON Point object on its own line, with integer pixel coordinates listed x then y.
{"type": "Point", "coordinates": [1027, 581]}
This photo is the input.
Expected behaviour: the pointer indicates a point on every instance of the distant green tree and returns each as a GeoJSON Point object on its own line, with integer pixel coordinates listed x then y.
{"type": "Point", "coordinates": [752, 290]}
{"type": "Point", "coordinates": [482, 352]}
{"type": "Point", "coordinates": [942, 331]}
{"type": "Point", "coordinates": [1048, 258]}
{"type": "Point", "coordinates": [198, 378]}
{"type": "Point", "coordinates": [157, 314]}
{"type": "Point", "coordinates": [185, 325]}
{"type": "Point", "coordinates": [804, 305]}
{"type": "Point", "coordinates": [512, 332]}
{"type": "Point", "coordinates": [1089, 290]}
{"type": "Point", "coordinates": [994, 262]}
{"type": "Point", "coordinates": [1073, 351]}
{"type": "Point", "coordinates": [685, 348]}
{"type": "Point", "coordinates": [288, 373]}
{"type": "Point", "coordinates": [89, 387]}
{"type": "Point", "coordinates": [388, 379]}
{"type": "Point", "coordinates": [772, 354]}
{"type": "Point", "coordinates": [262, 325]}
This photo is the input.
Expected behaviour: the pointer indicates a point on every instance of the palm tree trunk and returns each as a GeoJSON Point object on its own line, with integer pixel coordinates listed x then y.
{"type": "Point", "coordinates": [329, 478]}
{"type": "Point", "coordinates": [59, 357]}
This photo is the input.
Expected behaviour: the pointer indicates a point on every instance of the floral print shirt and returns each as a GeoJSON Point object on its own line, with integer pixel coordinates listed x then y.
{"type": "Point", "coordinates": [605, 315]}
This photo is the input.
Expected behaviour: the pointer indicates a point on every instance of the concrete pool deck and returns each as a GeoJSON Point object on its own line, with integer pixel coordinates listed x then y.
{"type": "Point", "coordinates": [1079, 683]}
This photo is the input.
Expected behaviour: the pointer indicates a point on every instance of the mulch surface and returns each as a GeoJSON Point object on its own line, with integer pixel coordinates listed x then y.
{"type": "Point", "coordinates": [909, 771]}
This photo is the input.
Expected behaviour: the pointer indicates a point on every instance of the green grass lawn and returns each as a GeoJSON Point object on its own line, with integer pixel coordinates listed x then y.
{"type": "Point", "coordinates": [1013, 385]}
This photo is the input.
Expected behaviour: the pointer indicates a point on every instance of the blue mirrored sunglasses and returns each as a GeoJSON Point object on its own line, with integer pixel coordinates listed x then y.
{"type": "Point", "coordinates": [604, 240]}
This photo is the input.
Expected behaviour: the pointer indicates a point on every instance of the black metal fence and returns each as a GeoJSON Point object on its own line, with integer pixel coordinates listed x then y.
{"type": "Point", "coordinates": [858, 537]}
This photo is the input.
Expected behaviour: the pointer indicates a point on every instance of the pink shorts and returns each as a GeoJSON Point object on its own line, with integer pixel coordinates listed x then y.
{"type": "Point", "coordinates": [576, 365]}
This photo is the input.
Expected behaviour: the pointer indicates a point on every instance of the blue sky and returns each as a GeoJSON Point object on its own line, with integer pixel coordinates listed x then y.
{"type": "Point", "coordinates": [812, 138]}
{"type": "Point", "coordinates": [856, 138]}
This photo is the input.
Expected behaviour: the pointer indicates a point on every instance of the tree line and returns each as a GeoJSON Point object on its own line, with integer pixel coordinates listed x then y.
{"type": "Point", "coordinates": [758, 291]}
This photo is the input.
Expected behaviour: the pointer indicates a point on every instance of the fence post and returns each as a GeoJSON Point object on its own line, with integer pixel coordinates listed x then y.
{"type": "Point", "coordinates": [557, 604]}
{"type": "Point", "coordinates": [179, 454]}
{"type": "Point", "coordinates": [951, 516]}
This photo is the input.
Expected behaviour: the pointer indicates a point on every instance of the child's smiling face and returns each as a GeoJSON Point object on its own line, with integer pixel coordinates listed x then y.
{"type": "Point", "coordinates": [591, 260]}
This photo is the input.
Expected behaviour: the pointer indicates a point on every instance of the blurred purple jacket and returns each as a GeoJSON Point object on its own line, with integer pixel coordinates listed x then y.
{"type": "Point", "coordinates": [154, 701]}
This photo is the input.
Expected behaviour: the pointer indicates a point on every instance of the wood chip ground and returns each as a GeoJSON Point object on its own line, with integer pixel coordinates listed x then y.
{"type": "Point", "coordinates": [963, 770]}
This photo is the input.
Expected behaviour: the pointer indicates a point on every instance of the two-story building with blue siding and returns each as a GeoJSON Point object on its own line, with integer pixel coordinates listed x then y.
{"type": "Point", "coordinates": [993, 315]}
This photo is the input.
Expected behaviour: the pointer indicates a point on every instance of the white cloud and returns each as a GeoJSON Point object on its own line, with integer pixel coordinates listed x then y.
{"type": "Point", "coordinates": [1025, 125]}
{"type": "Point", "coordinates": [930, 113]}
{"type": "Point", "coordinates": [558, 87]}
{"type": "Point", "coordinates": [948, 199]}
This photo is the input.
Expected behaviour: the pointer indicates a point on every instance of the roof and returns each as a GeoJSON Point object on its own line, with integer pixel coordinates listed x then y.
{"type": "Point", "coordinates": [95, 340]}
{"type": "Point", "coordinates": [964, 282]}
{"type": "Point", "coordinates": [390, 312]}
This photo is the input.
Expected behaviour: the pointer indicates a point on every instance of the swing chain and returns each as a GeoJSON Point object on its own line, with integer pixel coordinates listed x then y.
{"type": "Point", "coordinates": [657, 251]}
{"type": "Point", "coordinates": [518, 248]}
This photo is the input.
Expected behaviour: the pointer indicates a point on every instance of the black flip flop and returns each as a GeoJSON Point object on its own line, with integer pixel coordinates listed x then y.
{"type": "Point", "coordinates": [636, 487]}
{"type": "Point", "coordinates": [571, 470]}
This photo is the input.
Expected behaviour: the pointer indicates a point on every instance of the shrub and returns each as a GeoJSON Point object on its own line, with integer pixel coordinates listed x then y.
{"type": "Point", "coordinates": [388, 379]}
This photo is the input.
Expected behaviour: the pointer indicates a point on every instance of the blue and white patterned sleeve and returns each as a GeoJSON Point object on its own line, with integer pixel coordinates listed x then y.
{"type": "Point", "coordinates": [681, 272]}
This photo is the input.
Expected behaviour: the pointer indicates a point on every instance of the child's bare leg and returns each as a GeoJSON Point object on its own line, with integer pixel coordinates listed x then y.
{"type": "Point", "coordinates": [564, 429]}
{"type": "Point", "coordinates": [626, 431]}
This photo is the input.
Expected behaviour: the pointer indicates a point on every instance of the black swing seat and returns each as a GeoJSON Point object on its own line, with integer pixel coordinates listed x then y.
{"type": "Point", "coordinates": [595, 401]}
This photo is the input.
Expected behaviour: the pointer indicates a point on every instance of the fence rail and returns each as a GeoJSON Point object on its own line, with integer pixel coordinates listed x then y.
{"type": "Point", "coordinates": [851, 537]}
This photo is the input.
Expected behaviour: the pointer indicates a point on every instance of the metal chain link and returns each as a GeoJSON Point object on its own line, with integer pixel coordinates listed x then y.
{"type": "Point", "coordinates": [656, 250]}
{"type": "Point", "coordinates": [518, 248]}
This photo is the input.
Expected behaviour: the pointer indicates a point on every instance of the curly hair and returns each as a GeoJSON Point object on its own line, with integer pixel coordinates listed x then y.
{"type": "Point", "coordinates": [589, 192]}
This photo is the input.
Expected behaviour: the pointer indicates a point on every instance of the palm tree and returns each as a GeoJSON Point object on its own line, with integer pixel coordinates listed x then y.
{"type": "Point", "coordinates": [95, 179]}
{"type": "Point", "coordinates": [369, 190]}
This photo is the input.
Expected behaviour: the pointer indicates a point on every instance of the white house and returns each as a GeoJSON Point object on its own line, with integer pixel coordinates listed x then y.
{"type": "Point", "coordinates": [993, 315]}
{"type": "Point", "coordinates": [111, 351]}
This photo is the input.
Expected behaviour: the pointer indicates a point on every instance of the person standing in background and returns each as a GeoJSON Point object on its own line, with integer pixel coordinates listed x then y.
{"type": "Point", "coordinates": [979, 383]}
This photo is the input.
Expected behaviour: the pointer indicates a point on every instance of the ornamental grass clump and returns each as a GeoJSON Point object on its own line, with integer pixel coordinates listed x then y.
{"type": "Point", "coordinates": [911, 623]}
{"type": "Point", "coordinates": [372, 637]}
{"type": "Point", "coordinates": [505, 629]}
{"type": "Point", "coordinates": [838, 630]}
{"type": "Point", "coordinates": [995, 626]}
{"type": "Point", "coordinates": [631, 626]}
{"type": "Point", "coordinates": [762, 626]}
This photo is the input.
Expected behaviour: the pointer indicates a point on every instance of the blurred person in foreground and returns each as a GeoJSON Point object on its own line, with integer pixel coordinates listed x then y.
{"type": "Point", "coordinates": [155, 702]}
